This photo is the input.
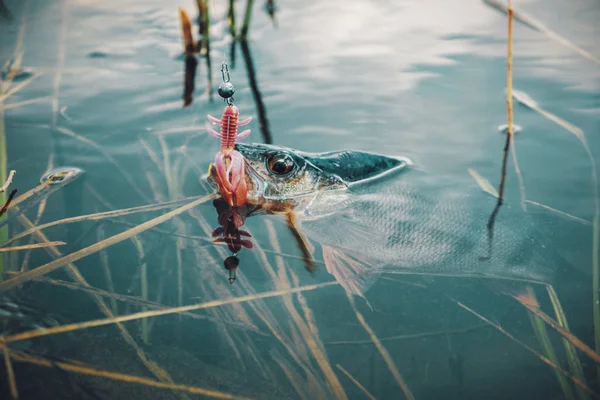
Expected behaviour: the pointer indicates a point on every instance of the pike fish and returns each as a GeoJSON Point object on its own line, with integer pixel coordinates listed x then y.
{"type": "Point", "coordinates": [373, 213]}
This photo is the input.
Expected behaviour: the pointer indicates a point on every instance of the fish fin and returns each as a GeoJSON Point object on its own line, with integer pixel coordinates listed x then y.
{"type": "Point", "coordinates": [354, 274]}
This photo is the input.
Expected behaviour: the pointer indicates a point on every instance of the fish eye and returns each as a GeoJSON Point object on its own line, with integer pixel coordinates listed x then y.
{"type": "Point", "coordinates": [281, 164]}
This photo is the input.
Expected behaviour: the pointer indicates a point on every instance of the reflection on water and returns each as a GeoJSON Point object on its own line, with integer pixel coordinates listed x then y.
{"type": "Point", "coordinates": [100, 87]}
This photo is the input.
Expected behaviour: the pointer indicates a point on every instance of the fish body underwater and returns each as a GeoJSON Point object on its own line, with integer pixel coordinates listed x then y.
{"type": "Point", "coordinates": [374, 213]}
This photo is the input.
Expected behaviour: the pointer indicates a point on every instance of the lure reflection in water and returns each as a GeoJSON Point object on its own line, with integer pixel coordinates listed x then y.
{"type": "Point", "coordinates": [372, 213]}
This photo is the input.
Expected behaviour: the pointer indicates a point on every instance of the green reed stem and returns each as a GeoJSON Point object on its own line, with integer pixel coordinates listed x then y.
{"type": "Point", "coordinates": [247, 17]}
{"type": "Point", "coordinates": [572, 357]}
{"type": "Point", "coordinates": [542, 335]}
{"type": "Point", "coordinates": [231, 17]}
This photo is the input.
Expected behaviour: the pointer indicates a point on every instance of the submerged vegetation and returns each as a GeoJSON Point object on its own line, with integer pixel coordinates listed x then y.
{"type": "Point", "coordinates": [258, 332]}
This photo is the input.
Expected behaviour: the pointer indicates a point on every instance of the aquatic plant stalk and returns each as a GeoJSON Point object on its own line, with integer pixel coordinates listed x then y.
{"type": "Point", "coordinates": [156, 313]}
{"type": "Point", "coordinates": [263, 121]}
{"type": "Point", "coordinates": [74, 273]}
{"type": "Point", "coordinates": [544, 359]}
{"type": "Point", "coordinates": [31, 246]}
{"type": "Point", "coordinates": [382, 350]}
{"type": "Point", "coordinates": [530, 305]}
{"type": "Point", "coordinates": [527, 101]}
{"type": "Point", "coordinates": [509, 136]}
{"type": "Point", "coordinates": [143, 285]}
{"type": "Point", "coordinates": [60, 262]}
{"type": "Point", "coordinates": [12, 382]}
{"type": "Point", "coordinates": [572, 357]}
{"type": "Point", "coordinates": [106, 270]}
{"type": "Point", "coordinates": [100, 216]}
{"type": "Point", "coordinates": [538, 26]}
{"type": "Point", "coordinates": [231, 18]}
{"type": "Point", "coordinates": [307, 327]}
{"type": "Point", "coordinates": [542, 335]}
{"type": "Point", "coordinates": [80, 368]}
{"type": "Point", "coordinates": [357, 383]}
{"type": "Point", "coordinates": [247, 18]}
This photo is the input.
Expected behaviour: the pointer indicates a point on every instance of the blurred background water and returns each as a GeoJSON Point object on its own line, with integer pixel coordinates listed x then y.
{"type": "Point", "coordinates": [423, 79]}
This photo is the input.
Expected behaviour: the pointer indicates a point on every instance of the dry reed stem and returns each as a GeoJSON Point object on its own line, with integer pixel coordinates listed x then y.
{"type": "Point", "coordinates": [130, 181]}
{"type": "Point", "coordinates": [104, 262]}
{"type": "Point", "coordinates": [38, 218]}
{"type": "Point", "coordinates": [28, 194]}
{"type": "Point", "coordinates": [556, 326]}
{"type": "Point", "coordinates": [60, 262]}
{"type": "Point", "coordinates": [138, 302]}
{"type": "Point", "coordinates": [12, 382]}
{"type": "Point", "coordinates": [382, 350]}
{"type": "Point", "coordinates": [24, 103]}
{"type": "Point", "coordinates": [558, 212]}
{"type": "Point", "coordinates": [156, 313]}
{"type": "Point", "coordinates": [76, 276]}
{"type": "Point", "coordinates": [528, 348]}
{"type": "Point", "coordinates": [8, 181]}
{"type": "Point", "coordinates": [153, 156]}
{"type": "Point", "coordinates": [543, 29]}
{"type": "Point", "coordinates": [81, 369]}
{"type": "Point", "coordinates": [306, 327]}
{"type": "Point", "coordinates": [19, 87]}
{"type": "Point", "coordinates": [357, 383]}
{"type": "Point", "coordinates": [292, 378]}
{"type": "Point", "coordinates": [580, 135]}
{"type": "Point", "coordinates": [407, 336]}
{"type": "Point", "coordinates": [186, 32]}
{"type": "Point", "coordinates": [31, 246]}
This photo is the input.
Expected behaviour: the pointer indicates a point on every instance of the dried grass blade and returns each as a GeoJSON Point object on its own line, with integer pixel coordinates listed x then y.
{"type": "Point", "coordinates": [20, 86]}
{"type": "Point", "coordinates": [538, 26]}
{"type": "Point", "coordinates": [383, 351]}
{"type": "Point", "coordinates": [12, 382]}
{"type": "Point", "coordinates": [156, 313]}
{"type": "Point", "coordinates": [528, 348]}
{"type": "Point", "coordinates": [99, 216]}
{"type": "Point", "coordinates": [24, 103]}
{"type": "Point", "coordinates": [60, 262]}
{"type": "Point", "coordinates": [558, 212]}
{"type": "Point", "coordinates": [555, 325]}
{"type": "Point", "coordinates": [31, 246]}
{"type": "Point", "coordinates": [357, 383]}
{"type": "Point", "coordinates": [81, 369]}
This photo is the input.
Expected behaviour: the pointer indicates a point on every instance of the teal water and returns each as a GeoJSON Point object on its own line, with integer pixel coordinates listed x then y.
{"type": "Point", "coordinates": [419, 79]}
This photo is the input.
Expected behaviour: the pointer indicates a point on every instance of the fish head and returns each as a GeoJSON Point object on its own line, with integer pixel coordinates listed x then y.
{"type": "Point", "coordinates": [291, 178]}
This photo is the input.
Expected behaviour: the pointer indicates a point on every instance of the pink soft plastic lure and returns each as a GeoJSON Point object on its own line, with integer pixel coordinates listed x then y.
{"type": "Point", "coordinates": [231, 178]}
